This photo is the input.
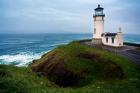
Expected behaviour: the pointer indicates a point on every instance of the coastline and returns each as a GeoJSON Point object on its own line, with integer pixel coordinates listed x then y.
{"type": "Point", "coordinates": [99, 70]}
{"type": "Point", "coordinates": [28, 47]}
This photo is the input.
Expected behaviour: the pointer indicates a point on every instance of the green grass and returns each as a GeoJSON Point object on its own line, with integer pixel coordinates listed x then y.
{"type": "Point", "coordinates": [20, 80]}
{"type": "Point", "coordinates": [23, 80]}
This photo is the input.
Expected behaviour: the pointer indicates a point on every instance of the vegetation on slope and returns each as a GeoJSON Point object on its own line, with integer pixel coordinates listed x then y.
{"type": "Point", "coordinates": [90, 70]}
{"type": "Point", "coordinates": [20, 80]}
{"type": "Point", "coordinates": [76, 64]}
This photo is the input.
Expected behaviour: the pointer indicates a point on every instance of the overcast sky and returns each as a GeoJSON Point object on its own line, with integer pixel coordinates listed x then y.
{"type": "Point", "coordinates": [67, 16]}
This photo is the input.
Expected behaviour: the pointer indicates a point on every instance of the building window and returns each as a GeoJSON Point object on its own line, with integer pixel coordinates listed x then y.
{"type": "Point", "coordinates": [94, 30]}
{"type": "Point", "coordinates": [107, 39]}
{"type": "Point", "coordinates": [112, 40]}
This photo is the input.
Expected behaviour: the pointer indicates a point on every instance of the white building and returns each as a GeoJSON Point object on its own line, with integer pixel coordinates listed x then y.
{"type": "Point", "coordinates": [99, 37]}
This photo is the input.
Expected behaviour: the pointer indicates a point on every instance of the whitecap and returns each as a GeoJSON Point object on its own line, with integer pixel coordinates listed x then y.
{"type": "Point", "coordinates": [21, 59]}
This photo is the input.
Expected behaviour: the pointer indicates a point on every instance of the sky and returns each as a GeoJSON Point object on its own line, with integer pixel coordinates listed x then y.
{"type": "Point", "coordinates": [67, 16]}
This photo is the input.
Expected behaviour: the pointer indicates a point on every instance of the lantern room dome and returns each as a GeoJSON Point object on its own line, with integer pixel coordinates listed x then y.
{"type": "Point", "coordinates": [99, 8]}
{"type": "Point", "coordinates": [99, 11]}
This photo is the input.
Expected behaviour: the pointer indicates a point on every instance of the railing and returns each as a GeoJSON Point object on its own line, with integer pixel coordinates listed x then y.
{"type": "Point", "coordinates": [99, 15]}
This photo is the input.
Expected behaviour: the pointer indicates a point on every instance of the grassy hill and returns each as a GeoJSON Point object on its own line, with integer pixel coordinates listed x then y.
{"type": "Point", "coordinates": [73, 68]}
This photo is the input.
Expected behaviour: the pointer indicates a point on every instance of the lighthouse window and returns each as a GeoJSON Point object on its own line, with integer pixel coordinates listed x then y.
{"type": "Point", "coordinates": [99, 12]}
{"type": "Point", "coordinates": [112, 40]}
{"type": "Point", "coordinates": [107, 39]}
{"type": "Point", "coordinates": [94, 30]}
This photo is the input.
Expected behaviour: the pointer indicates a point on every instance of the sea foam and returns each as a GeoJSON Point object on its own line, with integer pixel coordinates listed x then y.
{"type": "Point", "coordinates": [21, 59]}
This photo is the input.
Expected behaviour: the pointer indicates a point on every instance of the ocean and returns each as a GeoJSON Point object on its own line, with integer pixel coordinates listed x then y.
{"type": "Point", "coordinates": [21, 49]}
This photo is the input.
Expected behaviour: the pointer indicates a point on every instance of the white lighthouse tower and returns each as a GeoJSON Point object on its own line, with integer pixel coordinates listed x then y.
{"type": "Point", "coordinates": [98, 25]}
{"type": "Point", "coordinates": [105, 38]}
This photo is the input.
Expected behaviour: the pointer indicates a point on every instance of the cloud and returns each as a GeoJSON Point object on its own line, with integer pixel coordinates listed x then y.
{"type": "Point", "coordinates": [66, 15]}
{"type": "Point", "coordinates": [96, 2]}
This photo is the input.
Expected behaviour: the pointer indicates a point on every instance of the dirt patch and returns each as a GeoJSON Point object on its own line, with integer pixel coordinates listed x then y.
{"type": "Point", "coordinates": [61, 75]}
{"type": "Point", "coordinates": [57, 73]}
{"type": "Point", "coordinates": [87, 55]}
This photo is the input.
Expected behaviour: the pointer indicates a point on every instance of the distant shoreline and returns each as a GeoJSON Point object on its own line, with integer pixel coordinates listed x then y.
{"type": "Point", "coordinates": [132, 44]}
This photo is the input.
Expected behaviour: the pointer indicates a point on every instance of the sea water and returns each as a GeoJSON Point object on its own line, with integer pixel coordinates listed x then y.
{"type": "Point", "coordinates": [21, 49]}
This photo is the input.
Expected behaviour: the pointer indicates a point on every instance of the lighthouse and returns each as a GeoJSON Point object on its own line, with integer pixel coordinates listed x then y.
{"type": "Point", "coordinates": [105, 38]}
{"type": "Point", "coordinates": [98, 25]}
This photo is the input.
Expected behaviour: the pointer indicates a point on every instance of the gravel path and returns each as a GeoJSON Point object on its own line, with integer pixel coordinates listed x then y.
{"type": "Point", "coordinates": [130, 52]}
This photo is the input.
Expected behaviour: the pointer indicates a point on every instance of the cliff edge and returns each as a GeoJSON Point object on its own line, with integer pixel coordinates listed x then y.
{"type": "Point", "coordinates": [77, 65]}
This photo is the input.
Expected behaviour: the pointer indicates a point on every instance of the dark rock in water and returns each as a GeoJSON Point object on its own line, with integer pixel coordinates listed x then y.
{"type": "Point", "coordinates": [72, 64]}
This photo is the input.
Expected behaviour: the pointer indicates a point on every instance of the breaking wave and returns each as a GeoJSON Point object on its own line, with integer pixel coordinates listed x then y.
{"type": "Point", "coordinates": [21, 59]}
